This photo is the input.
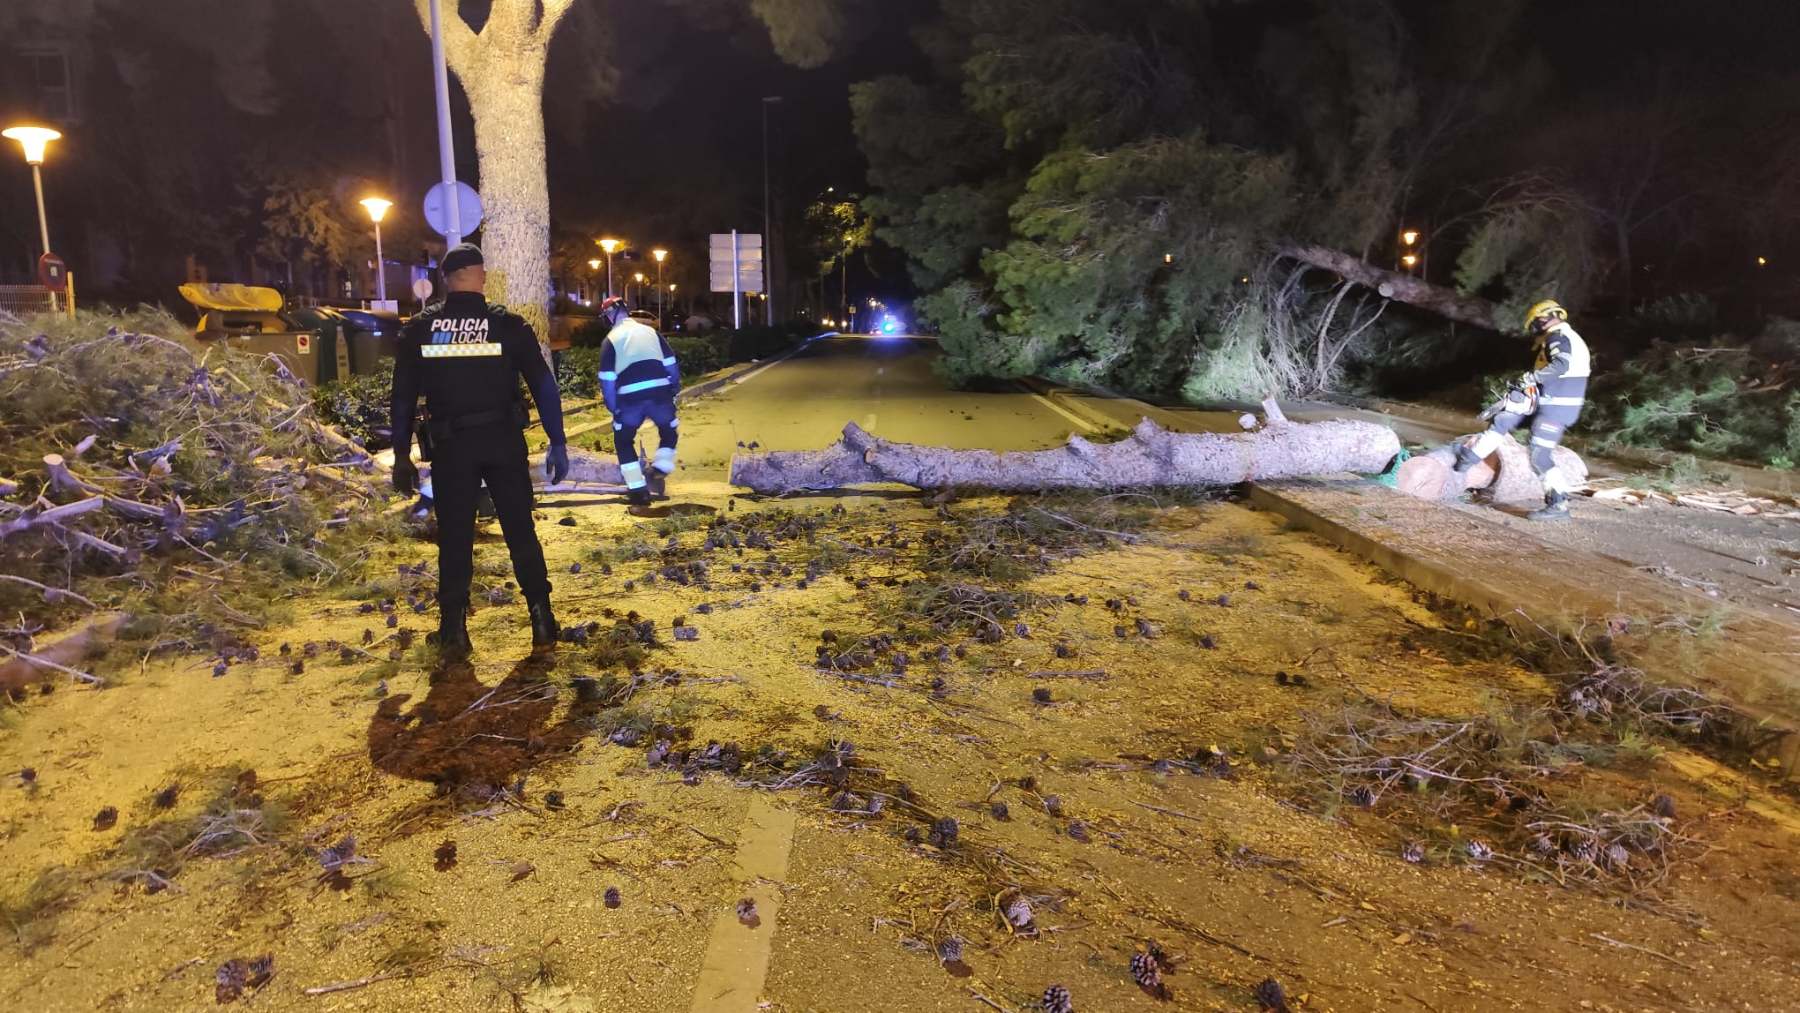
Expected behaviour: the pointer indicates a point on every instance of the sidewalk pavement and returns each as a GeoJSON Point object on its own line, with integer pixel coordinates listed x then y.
{"type": "Point", "coordinates": [1539, 580]}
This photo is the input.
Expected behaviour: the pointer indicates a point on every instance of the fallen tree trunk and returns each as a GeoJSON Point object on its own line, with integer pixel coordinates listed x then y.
{"type": "Point", "coordinates": [20, 669]}
{"type": "Point", "coordinates": [1506, 475]}
{"type": "Point", "coordinates": [1151, 456]}
{"type": "Point", "coordinates": [1400, 287]}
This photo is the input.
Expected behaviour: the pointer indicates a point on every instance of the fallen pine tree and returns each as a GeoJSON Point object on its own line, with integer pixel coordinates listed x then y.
{"type": "Point", "coordinates": [1150, 456]}
{"type": "Point", "coordinates": [151, 477]}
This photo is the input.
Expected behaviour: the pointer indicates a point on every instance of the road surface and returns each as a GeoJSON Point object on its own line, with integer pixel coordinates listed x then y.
{"type": "Point", "coordinates": [887, 386]}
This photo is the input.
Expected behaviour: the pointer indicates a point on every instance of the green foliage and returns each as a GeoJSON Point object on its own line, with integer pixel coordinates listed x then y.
{"type": "Point", "coordinates": [1083, 292]}
{"type": "Point", "coordinates": [1726, 399]}
{"type": "Point", "coordinates": [359, 405]}
{"type": "Point", "coordinates": [578, 367]}
{"type": "Point", "coordinates": [578, 372]}
{"type": "Point", "coordinates": [1535, 242]}
{"type": "Point", "coordinates": [835, 229]}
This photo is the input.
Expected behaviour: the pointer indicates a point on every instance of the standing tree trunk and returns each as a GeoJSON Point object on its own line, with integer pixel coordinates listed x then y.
{"type": "Point", "coordinates": [502, 73]}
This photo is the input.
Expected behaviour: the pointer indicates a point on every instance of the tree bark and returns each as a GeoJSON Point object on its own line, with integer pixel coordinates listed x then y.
{"type": "Point", "coordinates": [502, 73]}
{"type": "Point", "coordinates": [1446, 302]}
{"type": "Point", "coordinates": [23, 668]}
{"type": "Point", "coordinates": [1151, 456]}
{"type": "Point", "coordinates": [1506, 475]}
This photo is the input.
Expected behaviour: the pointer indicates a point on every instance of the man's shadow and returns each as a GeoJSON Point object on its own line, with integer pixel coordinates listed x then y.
{"type": "Point", "coordinates": [465, 734]}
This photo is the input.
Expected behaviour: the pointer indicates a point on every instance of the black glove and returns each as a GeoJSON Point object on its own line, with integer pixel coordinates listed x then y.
{"type": "Point", "coordinates": [556, 462]}
{"type": "Point", "coordinates": [406, 475]}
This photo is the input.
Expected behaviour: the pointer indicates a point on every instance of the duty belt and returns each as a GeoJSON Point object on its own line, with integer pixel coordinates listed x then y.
{"type": "Point", "coordinates": [442, 428]}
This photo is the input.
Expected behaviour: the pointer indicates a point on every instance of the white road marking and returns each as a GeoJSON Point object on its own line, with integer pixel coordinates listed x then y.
{"type": "Point", "coordinates": [737, 956]}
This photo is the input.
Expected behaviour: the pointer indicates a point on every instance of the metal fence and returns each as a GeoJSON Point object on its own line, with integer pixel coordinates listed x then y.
{"type": "Point", "coordinates": [22, 300]}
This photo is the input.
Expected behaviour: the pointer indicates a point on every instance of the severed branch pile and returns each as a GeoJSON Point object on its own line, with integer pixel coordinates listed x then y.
{"type": "Point", "coordinates": [1151, 456]}
{"type": "Point", "coordinates": [137, 471]}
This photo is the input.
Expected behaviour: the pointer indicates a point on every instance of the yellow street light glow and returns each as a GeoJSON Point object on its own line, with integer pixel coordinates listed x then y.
{"type": "Point", "coordinates": [1410, 260]}
{"type": "Point", "coordinates": [1168, 258]}
{"type": "Point", "coordinates": [1762, 262]}
{"type": "Point", "coordinates": [33, 139]}
{"type": "Point", "coordinates": [1410, 236]}
{"type": "Point", "coordinates": [660, 255]}
{"type": "Point", "coordinates": [594, 264]}
{"type": "Point", "coordinates": [609, 245]}
{"type": "Point", "coordinates": [671, 286]}
{"type": "Point", "coordinates": [376, 206]}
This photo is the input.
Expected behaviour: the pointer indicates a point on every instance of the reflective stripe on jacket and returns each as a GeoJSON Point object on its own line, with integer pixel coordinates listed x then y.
{"type": "Point", "coordinates": [637, 362]}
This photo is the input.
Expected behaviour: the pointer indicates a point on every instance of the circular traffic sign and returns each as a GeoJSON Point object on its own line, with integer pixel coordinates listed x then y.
{"type": "Point", "coordinates": [52, 272]}
{"type": "Point", "coordinates": [437, 208]}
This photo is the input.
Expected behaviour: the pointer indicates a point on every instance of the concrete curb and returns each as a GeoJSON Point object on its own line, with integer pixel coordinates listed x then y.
{"type": "Point", "coordinates": [1494, 599]}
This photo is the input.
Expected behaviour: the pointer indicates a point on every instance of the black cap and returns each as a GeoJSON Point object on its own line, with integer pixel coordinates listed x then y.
{"type": "Point", "coordinates": [460, 256]}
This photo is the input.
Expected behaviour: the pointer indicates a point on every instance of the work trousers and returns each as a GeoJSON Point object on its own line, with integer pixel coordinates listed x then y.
{"type": "Point", "coordinates": [1548, 426]}
{"type": "Point", "coordinates": [629, 419]}
{"type": "Point", "coordinates": [495, 455]}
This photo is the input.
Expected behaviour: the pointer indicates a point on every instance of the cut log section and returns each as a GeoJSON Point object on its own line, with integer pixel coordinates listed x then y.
{"type": "Point", "coordinates": [19, 669]}
{"type": "Point", "coordinates": [1150, 456]}
{"type": "Point", "coordinates": [1506, 475]}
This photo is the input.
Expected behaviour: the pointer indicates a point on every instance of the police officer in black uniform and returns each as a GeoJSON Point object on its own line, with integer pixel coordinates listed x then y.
{"type": "Point", "coordinates": [466, 356]}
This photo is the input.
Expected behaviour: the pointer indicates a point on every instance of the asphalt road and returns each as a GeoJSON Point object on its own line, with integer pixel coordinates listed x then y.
{"type": "Point", "coordinates": [884, 384]}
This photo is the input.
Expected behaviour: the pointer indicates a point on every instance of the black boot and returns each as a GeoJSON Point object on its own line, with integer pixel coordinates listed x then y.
{"type": "Point", "coordinates": [453, 633]}
{"type": "Point", "coordinates": [544, 630]}
{"type": "Point", "coordinates": [1556, 508]}
{"type": "Point", "coordinates": [1466, 458]}
{"type": "Point", "coordinates": [638, 497]}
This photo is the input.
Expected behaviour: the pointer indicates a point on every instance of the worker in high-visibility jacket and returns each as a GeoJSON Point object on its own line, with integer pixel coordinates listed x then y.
{"type": "Point", "coordinates": [639, 379]}
{"type": "Point", "coordinates": [1549, 397]}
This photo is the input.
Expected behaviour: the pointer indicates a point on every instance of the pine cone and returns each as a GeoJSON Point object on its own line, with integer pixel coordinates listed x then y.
{"type": "Point", "coordinates": [1478, 850]}
{"type": "Point", "coordinates": [1412, 852]}
{"type": "Point", "coordinates": [1542, 844]}
{"type": "Point", "coordinates": [1056, 1000]}
{"type": "Point", "coordinates": [1148, 975]}
{"type": "Point", "coordinates": [1272, 996]}
{"type": "Point", "coordinates": [1018, 914]}
{"type": "Point", "coordinates": [950, 950]}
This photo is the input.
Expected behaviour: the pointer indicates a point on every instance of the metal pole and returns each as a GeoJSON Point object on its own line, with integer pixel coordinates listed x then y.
{"type": "Point", "coordinates": [37, 183]}
{"type": "Point", "coordinates": [446, 140]}
{"type": "Point", "coordinates": [609, 274]}
{"type": "Point", "coordinates": [768, 243]}
{"type": "Point", "coordinates": [380, 267]}
{"type": "Point", "coordinates": [661, 324]}
{"type": "Point", "coordinates": [737, 302]}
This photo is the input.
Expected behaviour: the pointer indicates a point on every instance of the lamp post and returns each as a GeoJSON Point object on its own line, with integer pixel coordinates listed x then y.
{"type": "Point", "coordinates": [377, 208]}
{"type": "Point", "coordinates": [768, 240]}
{"type": "Point", "coordinates": [639, 278]}
{"type": "Point", "coordinates": [594, 265]}
{"type": "Point", "coordinates": [34, 140]}
{"type": "Point", "coordinates": [661, 255]}
{"type": "Point", "coordinates": [609, 245]}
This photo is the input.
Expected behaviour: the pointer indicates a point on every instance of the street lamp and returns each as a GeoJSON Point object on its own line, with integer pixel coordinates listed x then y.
{"type": "Point", "coordinates": [661, 255]}
{"type": "Point", "coordinates": [639, 278]}
{"type": "Point", "coordinates": [609, 245]}
{"type": "Point", "coordinates": [1411, 260]}
{"type": "Point", "coordinates": [768, 240]}
{"type": "Point", "coordinates": [377, 208]}
{"type": "Point", "coordinates": [34, 140]}
{"type": "Point", "coordinates": [1409, 236]}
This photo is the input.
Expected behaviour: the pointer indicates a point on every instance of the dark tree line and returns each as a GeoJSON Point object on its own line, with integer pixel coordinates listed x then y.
{"type": "Point", "coordinates": [1103, 190]}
